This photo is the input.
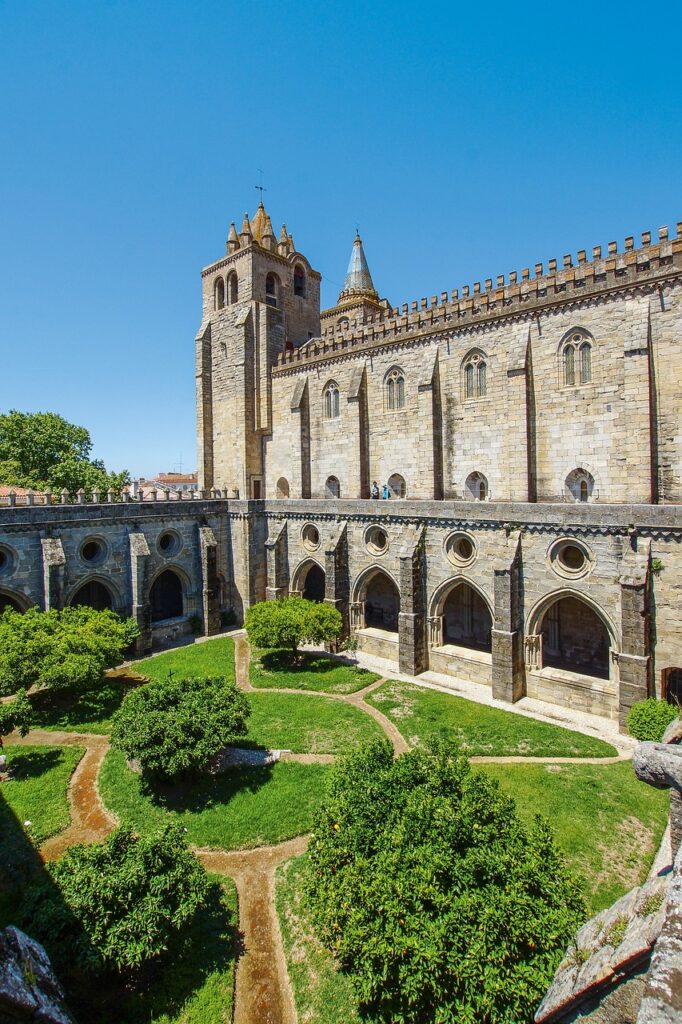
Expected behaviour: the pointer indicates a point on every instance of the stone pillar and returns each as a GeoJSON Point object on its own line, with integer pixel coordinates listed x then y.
{"type": "Point", "coordinates": [357, 433]}
{"type": "Point", "coordinates": [210, 589]}
{"type": "Point", "coordinates": [518, 419]}
{"type": "Point", "coordinates": [141, 610]}
{"type": "Point", "coordinates": [300, 440]}
{"type": "Point", "coordinates": [54, 562]}
{"type": "Point", "coordinates": [356, 610]}
{"type": "Point", "coordinates": [412, 649]}
{"type": "Point", "coordinates": [634, 660]}
{"type": "Point", "coordinates": [277, 567]}
{"type": "Point", "coordinates": [436, 631]}
{"type": "Point", "coordinates": [507, 633]}
{"type": "Point", "coordinates": [336, 576]}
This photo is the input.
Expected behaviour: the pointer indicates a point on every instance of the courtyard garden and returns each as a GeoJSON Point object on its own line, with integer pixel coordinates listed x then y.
{"type": "Point", "coordinates": [605, 824]}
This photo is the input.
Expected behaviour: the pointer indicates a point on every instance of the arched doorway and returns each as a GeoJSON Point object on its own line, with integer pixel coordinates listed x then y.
{"type": "Point", "coordinates": [165, 596]}
{"type": "Point", "coordinates": [332, 488]}
{"type": "Point", "coordinates": [93, 594]}
{"type": "Point", "coordinates": [397, 486]}
{"type": "Point", "coordinates": [382, 602]}
{"type": "Point", "coordinates": [467, 621]}
{"type": "Point", "coordinates": [282, 489]}
{"type": "Point", "coordinates": [7, 601]}
{"type": "Point", "coordinates": [575, 638]}
{"type": "Point", "coordinates": [313, 588]}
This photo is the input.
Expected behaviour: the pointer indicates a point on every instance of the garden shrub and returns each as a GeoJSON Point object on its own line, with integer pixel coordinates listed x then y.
{"type": "Point", "coordinates": [16, 714]}
{"type": "Point", "coordinates": [432, 895]}
{"type": "Point", "coordinates": [115, 905]}
{"type": "Point", "coordinates": [60, 649]}
{"type": "Point", "coordinates": [648, 719]}
{"type": "Point", "coordinates": [175, 726]}
{"type": "Point", "coordinates": [290, 622]}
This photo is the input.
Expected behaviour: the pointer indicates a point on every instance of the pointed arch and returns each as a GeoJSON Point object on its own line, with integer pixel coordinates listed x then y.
{"type": "Point", "coordinates": [96, 592]}
{"type": "Point", "coordinates": [167, 594]}
{"type": "Point", "coordinates": [394, 385]}
{"type": "Point", "coordinates": [13, 599]}
{"type": "Point", "coordinates": [575, 357]}
{"type": "Point", "coordinates": [218, 293]}
{"type": "Point", "coordinates": [232, 287]}
{"type": "Point", "coordinates": [331, 400]}
{"type": "Point", "coordinates": [474, 371]}
{"type": "Point", "coordinates": [309, 580]}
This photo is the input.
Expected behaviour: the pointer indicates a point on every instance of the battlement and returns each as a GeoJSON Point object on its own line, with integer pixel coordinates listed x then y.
{"type": "Point", "coordinates": [30, 499]}
{"type": "Point", "coordinates": [519, 293]}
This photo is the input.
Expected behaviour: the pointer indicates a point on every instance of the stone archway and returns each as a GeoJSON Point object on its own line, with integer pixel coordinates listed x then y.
{"type": "Point", "coordinates": [379, 598]}
{"type": "Point", "coordinates": [314, 585]}
{"type": "Point", "coordinates": [166, 597]}
{"type": "Point", "coordinates": [95, 594]}
{"type": "Point", "coordinates": [574, 637]}
{"type": "Point", "coordinates": [466, 618]}
{"type": "Point", "coordinates": [9, 600]}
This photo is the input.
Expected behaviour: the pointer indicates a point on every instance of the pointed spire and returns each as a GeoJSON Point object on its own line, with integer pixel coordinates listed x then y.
{"type": "Point", "coordinates": [267, 239]}
{"type": "Point", "coordinates": [292, 247]}
{"type": "Point", "coordinates": [232, 240]}
{"type": "Point", "coordinates": [358, 278]}
{"type": "Point", "coordinates": [245, 236]}
{"type": "Point", "coordinates": [283, 244]}
{"type": "Point", "coordinates": [259, 222]}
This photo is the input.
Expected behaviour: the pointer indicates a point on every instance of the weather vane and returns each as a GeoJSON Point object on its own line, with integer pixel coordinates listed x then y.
{"type": "Point", "coordinates": [260, 188]}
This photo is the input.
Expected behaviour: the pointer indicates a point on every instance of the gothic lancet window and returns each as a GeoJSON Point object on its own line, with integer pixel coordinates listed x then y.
{"type": "Point", "coordinates": [395, 390]}
{"type": "Point", "coordinates": [576, 358]}
{"type": "Point", "coordinates": [475, 375]}
{"type": "Point", "coordinates": [232, 287]}
{"type": "Point", "coordinates": [331, 401]}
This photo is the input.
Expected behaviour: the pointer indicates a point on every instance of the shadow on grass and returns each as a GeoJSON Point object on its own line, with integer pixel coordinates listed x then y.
{"type": "Point", "coordinates": [286, 663]}
{"type": "Point", "coordinates": [205, 947]}
{"type": "Point", "coordinates": [197, 792]}
{"type": "Point", "coordinates": [32, 764]}
{"type": "Point", "coordinates": [69, 709]}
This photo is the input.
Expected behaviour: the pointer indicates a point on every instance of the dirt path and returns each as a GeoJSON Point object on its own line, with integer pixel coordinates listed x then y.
{"type": "Point", "coordinates": [262, 993]}
{"type": "Point", "coordinates": [90, 820]}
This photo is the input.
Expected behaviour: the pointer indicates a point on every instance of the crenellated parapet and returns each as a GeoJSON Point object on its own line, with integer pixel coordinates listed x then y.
{"type": "Point", "coordinates": [526, 293]}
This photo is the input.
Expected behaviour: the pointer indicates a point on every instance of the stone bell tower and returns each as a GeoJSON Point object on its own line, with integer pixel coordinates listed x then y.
{"type": "Point", "coordinates": [259, 300]}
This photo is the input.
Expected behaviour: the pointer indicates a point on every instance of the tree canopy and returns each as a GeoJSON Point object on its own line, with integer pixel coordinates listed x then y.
{"type": "Point", "coordinates": [42, 450]}
{"type": "Point", "coordinates": [290, 622]}
{"type": "Point", "coordinates": [430, 892]}
{"type": "Point", "coordinates": [60, 649]}
{"type": "Point", "coordinates": [175, 726]}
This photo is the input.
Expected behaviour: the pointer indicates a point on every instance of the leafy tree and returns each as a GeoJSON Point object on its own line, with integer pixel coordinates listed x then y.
{"type": "Point", "coordinates": [290, 622]}
{"type": "Point", "coordinates": [42, 449]}
{"type": "Point", "coordinates": [117, 904]}
{"type": "Point", "coordinates": [175, 726]}
{"type": "Point", "coordinates": [60, 649]}
{"type": "Point", "coordinates": [648, 719]}
{"type": "Point", "coordinates": [16, 714]}
{"type": "Point", "coordinates": [430, 892]}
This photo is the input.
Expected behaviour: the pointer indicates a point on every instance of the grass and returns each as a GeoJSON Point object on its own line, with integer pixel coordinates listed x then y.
{"type": "Point", "coordinates": [608, 823]}
{"type": "Point", "coordinates": [213, 658]}
{"type": "Point", "coordinates": [308, 724]}
{"type": "Point", "coordinates": [420, 714]}
{"type": "Point", "coordinates": [322, 994]}
{"type": "Point", "coordinates": [236, 810]}
{"type": "Point", "coordinates": [315, 672]}
{"type": "Point", "coordinates": [192, 984]}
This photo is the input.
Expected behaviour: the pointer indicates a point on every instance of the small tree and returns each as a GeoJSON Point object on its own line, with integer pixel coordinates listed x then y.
{"type": "Point", "coordinates": [430, 892]}
{"type": "Point", "coordinates": [116, 904]}
{"type": "Point", "coordinates": [290, 622]}
{"type": "Point", "coordinates": [175, 726]}
{"type": "Point", "coordinates": [16, 714]}
{"type": "Point", "coordinates": [60, 649]}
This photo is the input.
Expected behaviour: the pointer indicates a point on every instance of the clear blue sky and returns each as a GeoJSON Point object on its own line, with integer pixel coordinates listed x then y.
{"type": "Point", "coordinates": [464, 140]}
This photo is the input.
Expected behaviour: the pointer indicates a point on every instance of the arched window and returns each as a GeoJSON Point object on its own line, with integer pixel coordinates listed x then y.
{"type": "Point", "coordinates": [219, 294]}
{"type": "Point", "coordinates": [576, 358]}
{"type": "Point", "coordinates": [93, 594]}
{"type": "Point", "coordinates": [574, 638]}
{"type": "Point", "coordinates": [232, 287]}
{"type": "Point", "coordinates": [476, 487]}
{"type": "Point", "coordinates": [331, 401]}
{"type": "Point", "coordinates": [299, 281]}
{"type": "Point", "coordinates": [343, 323]}
{"type": "Point", "coordinates": [271, 289]}
{"type": "Point", "coordinates": [282, 487]}
{"type": "Point", "coordinates": [332, 488]}
{"type": "Point", "coordinates": [395, 389]}
{"type": "Point", "coordinates": [397, 486]}
{"type": "Point", "coordinates": [475, 369]}
{"type": "Point", "coordinates": [583, 490]}
{"type": "Point", "coordinates": [165, 596]}
{"type": "Point", "coordinates": [579, 485]}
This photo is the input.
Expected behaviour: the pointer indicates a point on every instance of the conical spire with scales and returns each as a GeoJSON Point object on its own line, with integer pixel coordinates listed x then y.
{"type": "Point", "coordinates": [358, 281]}
{"type": "Point", "coordinates": [232, 240]}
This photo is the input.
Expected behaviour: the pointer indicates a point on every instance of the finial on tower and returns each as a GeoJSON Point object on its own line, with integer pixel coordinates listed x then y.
{"type": "Point", "coordinates": [232, 239]}
{"type": "Point", "coordinates": [245, 235]}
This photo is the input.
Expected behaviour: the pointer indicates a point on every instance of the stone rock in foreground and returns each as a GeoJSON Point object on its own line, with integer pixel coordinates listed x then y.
{"type": "Point", "coordinates": [29, 990]}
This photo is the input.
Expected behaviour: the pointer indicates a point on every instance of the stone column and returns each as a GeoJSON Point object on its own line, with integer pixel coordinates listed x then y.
{"type": "Point", "coordinates": [141, 610]}
{"type": "Point", "coordinates": [54, 562]}
{"type": "Point", "coordinates": [300, 440]}
{"type": "Point", "coordinates": [336, 576]}
{"type": "Point", "coordinates": [412, 650]}
{"type": "Point", "coordinates": [277, 567]}
{"type": "Point", "coordinates": [430, 482]}
{"type": "Point", "coordinates": [210, 588]}
{"type": "Point", "coordinates": [507, 633]}
{"type": "Point", "coordinates": [358, 440]}
{"type": "Point", "coordinates": [634, 661]}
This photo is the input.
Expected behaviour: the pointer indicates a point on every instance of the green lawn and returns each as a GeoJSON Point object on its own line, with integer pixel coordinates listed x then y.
{"type": "Point", "coordinates": [192, 984]}
{"type": "Point", "coordinates": [212, 658]}
{"type": "Point", "coordinates": [238, 809]}
{"type": "Point", "coordinates": [78, 711]}
{"type": "Point", "coordinates": [607, 822]}
{"type": "Point", "coordinates": [322, 994]}
{"type": "Point", "coordinates": [308, 724]}
{"type": "Point", "coordinates": [421, 714]}
{"type": "Point", "coordinates": [274, 668]}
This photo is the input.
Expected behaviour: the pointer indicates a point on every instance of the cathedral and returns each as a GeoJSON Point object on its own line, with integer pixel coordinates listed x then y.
{"type": "Point", "coordinates": [524, 435]}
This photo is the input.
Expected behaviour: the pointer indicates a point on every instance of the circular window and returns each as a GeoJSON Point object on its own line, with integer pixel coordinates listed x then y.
{"type": "Point", "coordinates": [570, 558]}
{"type": "Point", "coordinates": [310, 535]}
{"type": "Point", "coordinates": [460, 549]}
{"type": "Point", "coordinates": [376, 540]}
{"type": "Point", "coordinates": [93, 551]}
{"type": "Point", "coordinates": [6, 561]}
{"type": "Point", "coordinates": [169, 543]}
